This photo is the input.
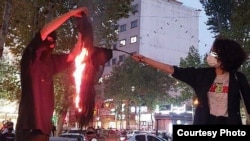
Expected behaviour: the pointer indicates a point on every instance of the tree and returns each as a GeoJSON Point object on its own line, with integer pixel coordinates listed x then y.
{"type": "Point", "coordinates": [64, 96]}
{"type": "Point", "coordinates": [9, 82]}
{"type": "Point", "coordinates": [193, 59]}
{"type": "Point", "coordinates": [5, 24]}
{"type": "Point", "coordinates": [219, 13]}
{"type": "Point", "coordinates": [150, 86]}
{"type": "Point", "coordinates": [229, 19]}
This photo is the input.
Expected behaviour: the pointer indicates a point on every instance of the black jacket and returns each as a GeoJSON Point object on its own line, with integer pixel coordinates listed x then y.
{"type": "Point", "coordinates": [201, 79]}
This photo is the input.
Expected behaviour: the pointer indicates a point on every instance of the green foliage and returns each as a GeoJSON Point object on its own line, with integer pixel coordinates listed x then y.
{"type": "Point", "coordinates": [150, 85]}
{"type": "Point", "coordinates": [229, 18]}
{"type": "Point", "coordinates": [64, 90]}
{"type": "Point", "coordinates": [219, 13]}
{"type": "Point", "coordinates": [10, 86]}
{"type": "Point", "coordinates": [193, 58]}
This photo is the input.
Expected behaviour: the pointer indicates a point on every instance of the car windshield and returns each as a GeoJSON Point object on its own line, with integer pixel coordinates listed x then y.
{"type": "Point", "coordinates": [78, 137]}
{"type": "Point", "coordinates": [74, 131]}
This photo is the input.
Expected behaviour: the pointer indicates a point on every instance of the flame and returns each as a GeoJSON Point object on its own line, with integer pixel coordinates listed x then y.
{"type": "Point", "coordinates": [80, 63]}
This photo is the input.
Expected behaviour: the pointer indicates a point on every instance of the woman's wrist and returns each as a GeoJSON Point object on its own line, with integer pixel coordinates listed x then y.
{"type": "Point", "coordinates": [142, 59]}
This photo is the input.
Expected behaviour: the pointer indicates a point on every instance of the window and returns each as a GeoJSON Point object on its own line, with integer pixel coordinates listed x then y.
{"type": "Point", "coordinates": [121, 58]}
{"type": "Point", "coordinates": [114, 45]}
{"type": "Point", "coordinates": [114, 61]}
{"type": "Point", "coordinates": [134, 24]}
{"type": "Point", "coordinates": [123, 28]}
{"type": "Point", "coordinates": [151, 138]}
{"type": "Point", "coordinates": [123, 42]}
{"type": "Point", "coordinates": [133, 39]}
{"type": "Point", "coordinates": [140, 137]}
{"type": "Point", "coordinates": [135, 8]}
{"type": "Point", "coordinates": [165, 108]}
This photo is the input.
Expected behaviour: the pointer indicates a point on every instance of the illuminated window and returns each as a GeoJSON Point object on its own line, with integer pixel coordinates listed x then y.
{"type": "Point", "coordinates": [107, 105]}
{"type": "Point", "coordinates": [133, 39]}
{"type": "Point", "coordinates": [122, 42]}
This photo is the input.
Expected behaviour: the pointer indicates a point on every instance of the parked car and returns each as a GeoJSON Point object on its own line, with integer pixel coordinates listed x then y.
{"type": "Point", "coordinates": [145, 137]}
{"type": "Point", "coordinates": [131, 133]}
{"type": "Point", "coordinates": [76, 130]}
{"type": "Point", "coordinates": [165, 136]}
{"type": "Point", "coordinates": [91, 134]}
{"type": "Point", "coordinates": [123, 135]}
{"type": "Point", "coordinates": [61, 139]}
{"type": "Point", "coordinates": [78, 136]}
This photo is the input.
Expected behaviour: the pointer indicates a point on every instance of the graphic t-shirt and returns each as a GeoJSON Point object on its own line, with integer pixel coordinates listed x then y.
{"type": "Point", "coordinates": [218, 95]}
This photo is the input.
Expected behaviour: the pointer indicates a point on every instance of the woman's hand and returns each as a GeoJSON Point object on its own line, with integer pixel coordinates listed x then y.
{"type": "Point", "coordinates": [138, 58]}
{"type": "Point", "coordinates": [78, 12]}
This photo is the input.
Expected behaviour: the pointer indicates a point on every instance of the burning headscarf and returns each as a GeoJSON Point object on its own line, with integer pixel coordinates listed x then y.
{"type": "Point", "coordinates": [89, 62]}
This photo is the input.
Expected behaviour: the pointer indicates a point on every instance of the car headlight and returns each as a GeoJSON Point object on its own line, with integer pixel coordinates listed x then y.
{"type": "Point", "coordinates": [93, 139]}
{"type": "Point", "coordinates": [122, 138]}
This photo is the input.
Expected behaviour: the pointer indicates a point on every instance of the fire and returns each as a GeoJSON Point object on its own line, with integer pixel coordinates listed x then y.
{"type": "Point", "coordinates": [80, 63]}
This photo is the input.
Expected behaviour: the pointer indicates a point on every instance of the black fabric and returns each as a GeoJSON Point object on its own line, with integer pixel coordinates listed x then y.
{"type": "Point", "coordinates": [37, 96]}
{"type": "Point", "coordinates": [244, 89]}
{"type": "Point", "coordinates": [92, 70]}
{"type": "Point", "coordinates": [8, 136]}
{"type": "Point", "coordinates": [217, 120]}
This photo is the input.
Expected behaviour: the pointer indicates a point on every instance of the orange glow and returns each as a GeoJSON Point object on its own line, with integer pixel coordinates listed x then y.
{"type": "Point", "coordinates": [196, 102]}
{"type": "Point", "coordinates": [80, 63]}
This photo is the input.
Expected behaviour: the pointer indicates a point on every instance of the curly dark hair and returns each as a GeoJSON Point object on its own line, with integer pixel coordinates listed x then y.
{"type": "Point", "coordinates": [230, 53]}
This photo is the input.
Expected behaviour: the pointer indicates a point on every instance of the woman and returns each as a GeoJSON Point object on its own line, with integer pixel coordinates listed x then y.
{"type": "Point", "coordinates": [38, 66]}
{"type": "Point", "coordinates": [218, 86]}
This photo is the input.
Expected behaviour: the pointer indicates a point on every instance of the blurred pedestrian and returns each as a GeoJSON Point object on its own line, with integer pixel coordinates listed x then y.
{"type": "Point", "coordinates": [218, 86]}
{"type": "Point", "coordinates": [53, 130]}
{"type": "Point", "coordinates": [38, 65]}
{"type": "Point", "coordinates": [9, 135]}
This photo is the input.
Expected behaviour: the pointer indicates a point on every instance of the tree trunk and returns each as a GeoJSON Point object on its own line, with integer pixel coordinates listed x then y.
{"type": "Point", "coordinates": [60, 122]}
{"type": "Point", "coordinates": [5, 25]}
{"type": "Point", "coordinates": [127, 113]}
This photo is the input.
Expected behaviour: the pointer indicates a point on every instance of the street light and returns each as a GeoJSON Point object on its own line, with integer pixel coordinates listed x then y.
{"type": "Point", "coordinates": [195, 103]}
{"type": "Point", "coordinates": [133, 88]}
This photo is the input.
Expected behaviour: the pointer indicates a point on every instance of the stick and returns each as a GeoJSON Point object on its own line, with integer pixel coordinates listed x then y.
{"type": "Point", "coordinates": [118, 50]}
{"type": "Point", "coordinates": [123, 51]}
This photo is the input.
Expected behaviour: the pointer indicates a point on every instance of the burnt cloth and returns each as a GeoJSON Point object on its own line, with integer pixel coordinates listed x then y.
{"type": "Point", "coordinates": [93, 70]}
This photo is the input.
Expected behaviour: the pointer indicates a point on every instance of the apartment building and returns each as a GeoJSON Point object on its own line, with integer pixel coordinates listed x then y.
{"type": "Point", "coordinates": [160, 29]}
